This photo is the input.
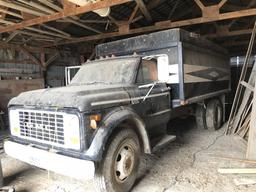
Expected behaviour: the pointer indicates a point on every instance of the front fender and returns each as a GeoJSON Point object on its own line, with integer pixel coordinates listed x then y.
{"type": "Point", "coordinates": [110, 123]}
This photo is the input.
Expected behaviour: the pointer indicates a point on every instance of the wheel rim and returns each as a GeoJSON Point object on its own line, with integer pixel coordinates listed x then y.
{"type": "Point", "coordinates": [124, 162]}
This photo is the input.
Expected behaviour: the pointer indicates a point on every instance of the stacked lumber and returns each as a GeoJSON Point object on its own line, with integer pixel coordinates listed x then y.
{"type": "Point", "coordinates": [242, 119]}
{"type": "Point", "coordinates": [239, 119]}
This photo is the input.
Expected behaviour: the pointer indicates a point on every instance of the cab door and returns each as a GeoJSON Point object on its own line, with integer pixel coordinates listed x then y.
{"type": "Point", "coordinates": [154, 95]}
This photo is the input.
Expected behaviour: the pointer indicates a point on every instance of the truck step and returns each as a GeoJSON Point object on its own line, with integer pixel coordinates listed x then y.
{"type": "Point", "coordinates": [163, 142]}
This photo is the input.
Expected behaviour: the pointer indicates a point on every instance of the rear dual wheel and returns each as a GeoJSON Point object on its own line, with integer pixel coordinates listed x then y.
{"type": "Point", "coordinates": [210, 116]}
{"type": "Point", "coordinates": [118, 170]}
{"type": "Point", "coordinates": [214, 114]}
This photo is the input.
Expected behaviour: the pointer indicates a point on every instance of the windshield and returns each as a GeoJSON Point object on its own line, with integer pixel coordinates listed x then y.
{"type": "Point", "coordinates": [112, 71]}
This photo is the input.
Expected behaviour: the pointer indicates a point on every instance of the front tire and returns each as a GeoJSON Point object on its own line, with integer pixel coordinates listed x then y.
{"type": "Point", "coordinates": [119, 168]}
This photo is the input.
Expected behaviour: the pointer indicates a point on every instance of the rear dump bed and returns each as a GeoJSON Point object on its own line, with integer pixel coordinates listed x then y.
{"type": "Point", "coordinates": [198, 68]}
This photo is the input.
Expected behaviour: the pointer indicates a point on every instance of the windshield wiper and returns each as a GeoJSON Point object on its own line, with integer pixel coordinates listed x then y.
{"type": "Point", "coordinates": [91, 83]}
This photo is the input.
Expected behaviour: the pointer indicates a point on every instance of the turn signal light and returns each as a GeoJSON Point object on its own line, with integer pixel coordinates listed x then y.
{"type": "Point", "coordinates": [93, 120]}
{"type": "Point", "coordinates": [95, 117]}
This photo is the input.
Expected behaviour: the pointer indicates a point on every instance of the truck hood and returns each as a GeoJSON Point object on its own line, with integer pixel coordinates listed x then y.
{"type": "Point", "coordinates": [83, 97]}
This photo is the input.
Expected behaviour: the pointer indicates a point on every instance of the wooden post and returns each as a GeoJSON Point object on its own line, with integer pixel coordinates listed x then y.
{"type": "Point", "coordinates": [251, 147]}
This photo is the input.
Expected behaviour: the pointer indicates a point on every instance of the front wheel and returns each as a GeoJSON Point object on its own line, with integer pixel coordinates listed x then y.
{"type": "Point", "coordinates": [119, 168]}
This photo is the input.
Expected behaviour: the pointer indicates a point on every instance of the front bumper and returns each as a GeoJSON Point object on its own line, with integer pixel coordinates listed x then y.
{"type": "Point", "coordinates": [72, 167]}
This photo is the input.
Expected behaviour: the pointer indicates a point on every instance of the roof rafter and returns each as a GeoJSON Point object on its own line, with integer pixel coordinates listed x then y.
{"type": "Point", "coordinates": [144, 9]}
{"type": "Point", "coordinates": [20, 8]}
{"type": "Point", "coordinates": [167, 25]}
{"type": "Point", "coordinates": [63, 14]}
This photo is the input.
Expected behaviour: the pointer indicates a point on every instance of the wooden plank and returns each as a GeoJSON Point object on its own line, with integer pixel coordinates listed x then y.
{"type": "Point", "coordinates": [247, 85]}
{"type": "Point", "coordinates": [51, 59]}
{"type": "Point", "coordinates": [47, 32]}
{"type": "Point", "coordinates": [134, 12]}
{"type": "Point", "coordinates": [30, 56]}
{"type": "Point", "coordinates": [237, 170]}
{"type": "Point", "coordinates": [31, 49]}
{"type": "Point", "coordinates": [200, 4]}
{"type": "Point", "coordinates": [20, 8]}
{"type": "Point", "coordinates": [63, 14]}
{"type": "Point", "coordinates": [222, 3]}
{"type": "Point", "coordinates": [238, 160]}
{"type": "Point", "coordinates": [74, 19]}
{"type": "Point", "coordinates": [251, 148]}
{"type": "Point", "coordinates": [11, 13]}
{"type": "Point", "coordinates": [11, 36]}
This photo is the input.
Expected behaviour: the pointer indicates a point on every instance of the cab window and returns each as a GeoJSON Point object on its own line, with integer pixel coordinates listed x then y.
{"type": "Point", "coordinates": [147, 71]}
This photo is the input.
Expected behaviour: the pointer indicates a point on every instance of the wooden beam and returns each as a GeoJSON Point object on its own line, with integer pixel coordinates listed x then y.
{"type": "Point", "coordinates": [11, 36]}
{"type": "Point", "coordinates": [53, 8]}
{"type": "Point", "coordinates": [83, 25]}
{"type": "Point", "coordinates": [20, 8]}
{"type": "Point", "coordinates": [251, 4]}
{"type": "Point", "coordinates": [47, 32]}
{"type": "Point", "coordinates": [237, 170]}
{"type": "Point", "coordinates": [151, 5]}
{"type": "Point", "coordinates": [230, 33]}
{"type": "Point", "coordinates": [51, 5]}
{"type": "Point", "coordinates": [11, 13]}
{"type": "Point", "coordinates": [38, 30]}
{"type": "Point", "coordinates": [63, 14]}
{"type": "Point", "coordinates": [56, 30]}
{"type": "Point", "coordinates": [51, 59]}
{"type": "Point", "coordinates": [74, 20]}
{"type": "Point", "coordinates": [23, 32]}
{"type": "Point", "coordinates": [167, 25]}
{"type": "Point", "coordinates": [94, 21]}
{"type": "Point", "coordinates": [144, 9]}
{"type": "Point", "coordinates": [30, 49]}
{"type": "Point", "coordinates": [200, 4]}
{"type": "Point", "coordinates": [222, 3]}
{"type": "Point", "coordinates": [234, 43]}
{"type": "Point", "coordinates": [173, 9]}
{"type": "Point", "coordinates": [37, 6]}
{"type": "Point", "coordinates": [31, 57]}
{"type": "Point", "coordinates": [135, 10]}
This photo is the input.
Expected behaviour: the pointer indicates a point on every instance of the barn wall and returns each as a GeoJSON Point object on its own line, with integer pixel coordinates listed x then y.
{"type": "Point", "coordinates": [55, 75]}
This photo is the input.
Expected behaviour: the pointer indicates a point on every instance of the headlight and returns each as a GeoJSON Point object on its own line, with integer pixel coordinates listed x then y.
{"type": "Point", "coordinates": [71, 131]}
{"type": "Point", "coordinates": [14, 122]}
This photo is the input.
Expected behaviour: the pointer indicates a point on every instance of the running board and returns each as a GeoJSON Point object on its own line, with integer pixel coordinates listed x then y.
{"type": "Point", "coordinates": [163, 142]}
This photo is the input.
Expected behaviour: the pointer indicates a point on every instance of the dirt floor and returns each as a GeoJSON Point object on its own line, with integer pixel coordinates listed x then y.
{"type": "Point", "coordinates": [189, 164]}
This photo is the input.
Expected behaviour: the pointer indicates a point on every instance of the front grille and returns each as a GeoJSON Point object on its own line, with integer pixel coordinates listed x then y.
{"type": "Point", "coordinates": [42, 126]}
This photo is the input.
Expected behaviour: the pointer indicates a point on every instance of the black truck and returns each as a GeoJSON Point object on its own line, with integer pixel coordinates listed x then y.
{"type": "Point", "coordinates": [115, 106]}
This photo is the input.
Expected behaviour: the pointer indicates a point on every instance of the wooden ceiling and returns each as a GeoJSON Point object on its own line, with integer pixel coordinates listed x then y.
{"type": "Point", "coordinates": [53, 23]}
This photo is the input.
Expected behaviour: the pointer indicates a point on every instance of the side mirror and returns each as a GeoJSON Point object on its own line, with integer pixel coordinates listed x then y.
{"type": "Point", "coordinates": [163, 68]}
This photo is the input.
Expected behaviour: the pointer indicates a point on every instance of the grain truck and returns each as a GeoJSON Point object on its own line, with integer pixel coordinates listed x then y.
{"type": "Point", "coordinates": [118, 106]}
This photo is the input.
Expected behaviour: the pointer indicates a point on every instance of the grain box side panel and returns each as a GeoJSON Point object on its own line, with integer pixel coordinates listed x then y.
{"type": "Point", "coordinates": [205, 72]}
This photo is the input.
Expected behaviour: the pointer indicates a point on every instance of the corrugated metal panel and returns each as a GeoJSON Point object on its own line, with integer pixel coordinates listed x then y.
{"type": "Point", "coordinates": [16, 65]}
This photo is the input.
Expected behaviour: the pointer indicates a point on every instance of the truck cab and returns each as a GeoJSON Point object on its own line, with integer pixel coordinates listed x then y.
{"type": "Point", "coordinates": [98, 125]}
